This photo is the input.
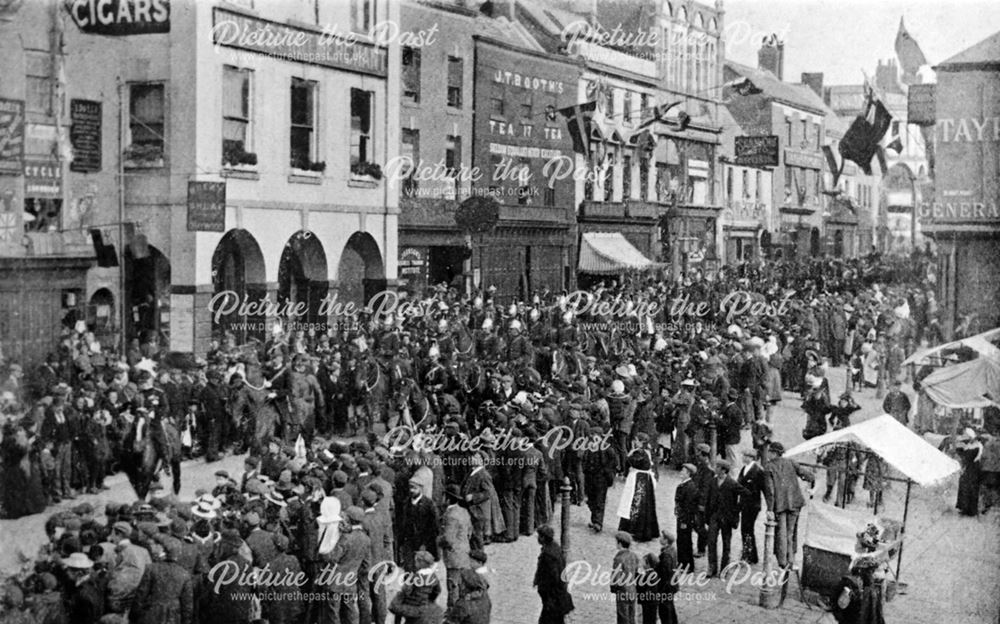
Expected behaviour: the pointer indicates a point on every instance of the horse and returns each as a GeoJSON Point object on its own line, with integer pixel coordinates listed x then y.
{"type": "Point", "coordinates": [372, 383]}
{"type": "Point", "coordinates": [412, 405]}
{"type": "Point", "coordinates": [142, 456]}
{"type": "Point", "coordinates": [465, 343]}
{"type": "Point", "coordinates": [472, 381]}
{"type": "Point", "coordinates": [566, 364]}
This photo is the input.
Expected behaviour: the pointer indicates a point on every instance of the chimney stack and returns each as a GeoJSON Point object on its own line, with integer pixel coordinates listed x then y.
{"type": "Point", "coordinates": [887, 77]}
{"type": "Point", "coordinates": [814, 80]}
{"type": "Point", "coordinates": [771, 56]}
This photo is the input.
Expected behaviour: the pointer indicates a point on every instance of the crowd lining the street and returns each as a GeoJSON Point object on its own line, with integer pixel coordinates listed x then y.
{"type": "Point", "coordinates": [419, 440]}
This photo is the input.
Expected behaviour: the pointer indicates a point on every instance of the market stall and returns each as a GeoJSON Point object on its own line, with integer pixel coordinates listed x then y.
{"type": "Point", "coordinates": [830, 542]}
{"type": "Point", "coordinates": [956, 381]}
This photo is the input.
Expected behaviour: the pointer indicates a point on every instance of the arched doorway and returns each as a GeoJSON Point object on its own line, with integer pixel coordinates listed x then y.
{"type": "Point", "coordinates": [302, 280]}
{"type": "Point", "coordinates": [361, 272]}
{"type": "Point", "coordinates": [147, 293]}
{"type": "Point", "coordinates": [101, 316]}
{"type": "Point", "coordinates": [238, 271]}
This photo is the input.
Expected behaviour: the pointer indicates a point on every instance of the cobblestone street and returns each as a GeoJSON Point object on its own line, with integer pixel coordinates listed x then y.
{"type": "Point", "coordinates": [949, 561]}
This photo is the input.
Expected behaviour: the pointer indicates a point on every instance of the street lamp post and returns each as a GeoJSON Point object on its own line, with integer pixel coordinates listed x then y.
{"type": "Point", "coordinates": [770, 589]}
{"type": "Point", "coordinates": [565, 490]}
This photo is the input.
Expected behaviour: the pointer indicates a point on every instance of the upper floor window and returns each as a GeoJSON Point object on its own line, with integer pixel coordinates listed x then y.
{"type": "Point", "coordinates": [455, 72]}
{"type": "Point", "coordinates": [362, 15]}
{"type": "Point", "coordinates": [627, 107]}
{"type": "Point", "coordinates": [147, 122]}
{"type": "Point", "coordinates": [410, 149]}
{"type": "Point", "coordinates": [39, 85]}
{"type": "Point", "coordinates": [362, 105]}
{"type": "Point", "coordinates": [303, 147]}
{"type": "Point", "coordinates": [236, 117]}
{"type": "Point", "coordinates": [411, 74]}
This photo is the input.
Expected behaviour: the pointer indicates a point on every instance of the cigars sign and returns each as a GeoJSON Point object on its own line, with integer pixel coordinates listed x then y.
{"type": "Point", "coordinates": [119, 18]}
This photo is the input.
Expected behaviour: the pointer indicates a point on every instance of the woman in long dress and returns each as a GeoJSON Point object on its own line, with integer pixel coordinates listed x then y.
{"type": "Point", "coordinates": [637, 507]}
{"type": "Point", "coordinates": [20, 477]}
{"type": "Point", "coordinates": [969, 452]}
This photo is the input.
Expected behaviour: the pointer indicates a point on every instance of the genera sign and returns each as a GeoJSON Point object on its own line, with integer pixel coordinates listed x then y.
{"type": "Point", "coordinates": [960, 211]}
{"type": "Point", "coordinates": [120, 17]}
{"type": "Point", "coordinates": [290, 43]}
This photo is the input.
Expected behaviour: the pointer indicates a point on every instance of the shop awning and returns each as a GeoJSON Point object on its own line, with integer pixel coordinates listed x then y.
{"type": "Point", "coordinates": [605, 253]}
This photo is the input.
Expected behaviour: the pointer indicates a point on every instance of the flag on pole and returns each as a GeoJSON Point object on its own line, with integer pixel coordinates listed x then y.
{"type": "Point", "coordinates": [911, 57]}
{"type": "Point", "coordinates": [862, 139]}
{"type": "Point", "coordinates": [578, 120]}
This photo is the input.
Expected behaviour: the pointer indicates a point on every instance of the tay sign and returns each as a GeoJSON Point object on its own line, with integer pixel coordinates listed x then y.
{"type": "Point", "coordinates": [120, 17]}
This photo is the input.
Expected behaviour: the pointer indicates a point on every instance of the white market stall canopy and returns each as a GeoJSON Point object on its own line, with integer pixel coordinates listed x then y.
{"type": "Point", "coordinates": [965, 385]}
{"type": "Point", "coordinates": [892, 441]}
{"type": "Point", "coordinates": [984, 344]}
{"type": "Point", "coordinates": [605, 253]}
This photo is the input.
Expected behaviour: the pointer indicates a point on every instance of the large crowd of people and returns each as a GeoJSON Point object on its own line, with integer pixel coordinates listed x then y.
{"type": "Point", "coordinates": [412, 440]}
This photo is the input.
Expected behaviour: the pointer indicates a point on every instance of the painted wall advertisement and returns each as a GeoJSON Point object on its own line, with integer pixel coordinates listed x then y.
{"type": "Point", "coordinates": [11, 136]}
{"type": "Point", "coordinates": [85, 135]}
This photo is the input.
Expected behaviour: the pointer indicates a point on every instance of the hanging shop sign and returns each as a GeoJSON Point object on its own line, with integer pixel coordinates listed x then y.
{"type": "Point", "coordinates": [411, 262]}
{"type": "Point", "coordinates": [292, 43]}
{"type": "Point", "coordinates": [11, 136]}
{"type": "Point", "coordinates": [920, 107]}
{"type": "Point", "coordinates": [757, 151]}
{"type": "Point", "coordinates": [119, 18]}
{"type": "Point", "coordinates": [85, 135]}
{"type": "Point", "coordinates": [43, 179]}
{"type": "Point", "coordinates": [808, 160]}
{"type": "Point", "coordinates": [206, 206]}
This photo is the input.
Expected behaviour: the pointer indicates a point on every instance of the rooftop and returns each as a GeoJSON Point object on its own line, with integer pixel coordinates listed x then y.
{"type": "Point", "coordinates": [986, 52]}
{"type": "Point", "coordinates": [797, 95]}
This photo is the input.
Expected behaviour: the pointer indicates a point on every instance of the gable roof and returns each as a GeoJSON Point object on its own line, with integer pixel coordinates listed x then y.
{"type": "Point", "coordinates": [797, 95]}
{"type": "Point", "coordinates": [986, 52]}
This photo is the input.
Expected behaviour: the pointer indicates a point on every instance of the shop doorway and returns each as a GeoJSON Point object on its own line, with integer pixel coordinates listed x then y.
{"type": "Point", "coordinates": [447, 265]}
{"type": "Point", "coordinates": [147, 293]}
{"type": "Point", "coordinates": [238, 272]}
{"type": "Point", "coordinates": [361, 272]}
{"type": "Point", "coordinates": [303, 282]}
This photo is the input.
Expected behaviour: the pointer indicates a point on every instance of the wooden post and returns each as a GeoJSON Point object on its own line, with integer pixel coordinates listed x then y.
{"type": "Point", "coordinates": [566, 489]}
{"type": "Point", "coordinates": [902, 531]}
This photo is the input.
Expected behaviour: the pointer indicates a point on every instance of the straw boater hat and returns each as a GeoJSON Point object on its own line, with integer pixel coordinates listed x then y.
{"type": "Point", "coordinates": [204, 510]}
{"type": "Point", "coordinates": [210, 502]}
{"type": "Point", "coordinates": [78, 561]}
